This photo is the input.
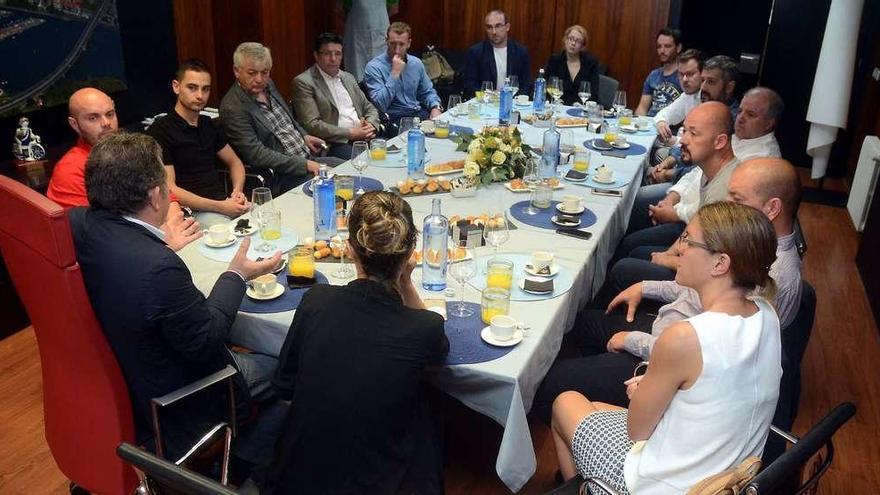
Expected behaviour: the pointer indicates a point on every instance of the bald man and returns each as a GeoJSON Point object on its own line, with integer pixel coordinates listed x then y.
{"type": "Point", "coordinates": [92, 115]}
{"type": "Point", "coordinates": [612, 344]}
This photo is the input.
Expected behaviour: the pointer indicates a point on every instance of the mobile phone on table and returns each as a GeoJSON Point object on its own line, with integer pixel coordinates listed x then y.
{"type": "Point", "coordinates": [608, 192]}
{"type": "Point", "coordinates": [579, 234]}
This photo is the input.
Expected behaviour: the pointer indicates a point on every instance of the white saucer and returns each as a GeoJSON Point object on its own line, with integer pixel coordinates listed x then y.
{"type": "Point", "coordinates": [600, 181]}
{"type": "Point", "coordinates": [246, 232]}
{"type": "Point", "coordinates": [522, 284]}
{"type": "Point", "coordinates": [565, 224]}
{"type": "Point", "coordinates": [560, 209]}
{"type": "Point", "coordinates": [526, 104]}
{"type": "Point", "coordinates": [554, 270]}
{"type": "Point", "coordinates": [602, 147]}
{"type": "Point", "coordinates": [624, 146]}
{"type": "Point", "coordinates": [487, 336]}
{"type": "Point", "coordinates": [279, 289]}
{"type": "Point", "coordinates": [629, 128]}
{"type": "Point", "coordinates": [230, 241]}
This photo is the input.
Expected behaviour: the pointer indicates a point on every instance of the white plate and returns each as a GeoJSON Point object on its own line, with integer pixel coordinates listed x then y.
{"type": "Point", "coordinates": [526, 189]}
{"type": "Point", "coordinates": [246, 232]}
{"type": "Point", "coordinates": [279, 289]}
{"type": "Point", "coordinates": [565, 224]}
{"type": "Point", "coordinates": [522, 283]}
{"type": "Point", "coordinates": [600, 181]}
{"type": "Point", "coordinates": [624, 146]}
{"type": "Point", "coordinates": [487, 336]}
{"type": "Point", "coordinates": [580, 210]}
{"type": "Point", "coordinates": [554, 270]}
{"type": "Point", "coordinates": [228, 242]}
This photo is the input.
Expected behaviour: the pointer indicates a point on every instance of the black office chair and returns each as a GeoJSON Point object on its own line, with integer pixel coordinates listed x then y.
{"type": "Point", "coordinates": [607, 90]}
{"type": "Point", "coordinates": [800, 241]}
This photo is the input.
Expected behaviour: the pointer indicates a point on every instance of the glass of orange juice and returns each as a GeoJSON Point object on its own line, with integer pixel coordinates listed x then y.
{"type": "Point", "coordinates": [499, 273]}
{"type": "Point", "coordinates": [344, 187]}
{"type": "Point", "coordinates": [271, 225]}
{"type": "Point", "coordinates": [378, 149]}
{"type": "Point", "coordinates": [495, 301]}
{"type": "Point", "coordinates": [301, 263]}
{"type": "Point", "coordinates": [626, 116]}
{"type": "Point", "coordinates": [441, 129]}
{"type": "Point", "coordinates": [581, 161]}
{"type": "Point", "coordinates": [611, 131]}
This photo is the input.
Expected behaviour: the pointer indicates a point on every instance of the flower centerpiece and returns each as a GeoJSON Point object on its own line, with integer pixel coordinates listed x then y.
{"type": "Point", "coordinates": [495, 154]}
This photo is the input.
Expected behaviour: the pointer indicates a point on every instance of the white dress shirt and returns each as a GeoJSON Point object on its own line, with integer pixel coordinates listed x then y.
{"type": "Point", "coordinates": [675, 112]}
{"type": "Point", "coordinates": [348, 116]}
{"type": "Point", "coordinates": [765, 146]}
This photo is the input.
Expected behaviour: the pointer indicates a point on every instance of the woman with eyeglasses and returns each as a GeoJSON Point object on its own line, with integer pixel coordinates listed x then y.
{"type": "Point", "coordinates": [573, 65]}
{"type": "Point", "coordinates": [707, 398]}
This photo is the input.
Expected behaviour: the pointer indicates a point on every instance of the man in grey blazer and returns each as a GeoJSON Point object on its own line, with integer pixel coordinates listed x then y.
{"type": "Point", "coordinates": [260, 126]}
{"type": "Point", "coordinates": [329, 103]}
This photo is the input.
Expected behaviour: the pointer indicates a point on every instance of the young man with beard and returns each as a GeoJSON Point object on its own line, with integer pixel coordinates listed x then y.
{"type": "Point", "coordinates": [662, 86]}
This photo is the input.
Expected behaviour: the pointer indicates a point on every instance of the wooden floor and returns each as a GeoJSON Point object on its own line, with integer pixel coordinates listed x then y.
{"type": "Point", "coordinates": [841, 363]}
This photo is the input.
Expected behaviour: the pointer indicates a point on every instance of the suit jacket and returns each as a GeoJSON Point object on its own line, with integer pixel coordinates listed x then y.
{"type": "Point", "coordinates": [164, 332]}
{"type": "Point", "coordinates": [316, 108]}
{"type": "Point", "coordinates": [589, 71]}
{"type": "Point", "coordinates": [479, 66]}
{"type": "Point", "coordinates": [251, 134]}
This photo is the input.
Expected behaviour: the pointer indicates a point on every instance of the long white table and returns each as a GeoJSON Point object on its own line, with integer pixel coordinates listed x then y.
{"type": "Point", "coordinates": [502, 389]}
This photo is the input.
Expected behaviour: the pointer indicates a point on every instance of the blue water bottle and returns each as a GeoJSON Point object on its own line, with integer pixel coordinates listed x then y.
{"type": "Point", "coordinates": [324, 196]}
{"type": "Point", "coordinates": [506, 103]}
{"type": "Point", "coordinates": [539, 96]}
{"type": "Point", "coordinates": [415, 151]}
{"type": "Point", "coordinates": [550, 156]}
{"type": "Point", "coordinates": [435, 239]}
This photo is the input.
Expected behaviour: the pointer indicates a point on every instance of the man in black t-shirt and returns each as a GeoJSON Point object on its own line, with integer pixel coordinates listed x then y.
{"type": "Point", "coordinates": [191, 145]}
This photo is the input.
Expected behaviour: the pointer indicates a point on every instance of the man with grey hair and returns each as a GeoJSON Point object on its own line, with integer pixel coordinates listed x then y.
{"type": "Point", "coordinates": [164, 332]}
{"type": "Point", "coordinates": [260, 126]}
{"type": "Point", "coordinates": [759, 114]}
{"type": "Point", "coordinates": [719, 75]}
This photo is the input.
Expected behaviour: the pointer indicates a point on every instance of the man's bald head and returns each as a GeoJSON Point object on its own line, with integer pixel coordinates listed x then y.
{"type": "Point", "coordinates": [707, 132]}
{"type": "Point", "coordinates": [717, 116]}
{"type": "Point", "coordinates": [92, 114]}
{"type": "Point", "coordinates": [769, 184]}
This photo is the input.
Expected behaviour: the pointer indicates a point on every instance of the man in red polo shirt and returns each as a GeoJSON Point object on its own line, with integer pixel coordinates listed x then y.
{"type": "Point", "coordinates": [92, 115]}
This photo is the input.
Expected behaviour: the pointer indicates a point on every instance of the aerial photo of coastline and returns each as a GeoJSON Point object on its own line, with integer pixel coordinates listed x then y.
{"type": "Point", "coordinates": [53, 48]}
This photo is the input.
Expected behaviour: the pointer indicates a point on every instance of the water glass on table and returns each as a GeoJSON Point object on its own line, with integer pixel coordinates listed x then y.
{"type": "Point", "coordinates": [584, 93]}
{"type": "Point", "coordinates": [542, 195]}
{"type": "Point", "coordinates": [261, 201]}
{"type": "Point", "coordinates": [360, 159]}
{"type": "Point", "coordinates": [454, 105]}
{"type": "Point", "coordinates": [513, 84]}
{"type": "Point", "coordinates": [341, 243]}
{"type": "Point", "coordinates": [462, 271]}
{"type": "Point", "coordinates": [619, 101]}
{"type": "Point", "coordinates": [496, 233]}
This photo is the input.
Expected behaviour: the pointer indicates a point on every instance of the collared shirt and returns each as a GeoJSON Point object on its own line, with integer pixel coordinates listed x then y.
{"type": "Point", "coordinates": [192, 151]}
{"type": "Point", "coordinates": [406, 95]}
{"type": "Point", "coordinates": [156, 231]}
{"type": "Point", "coordinates": [348, 116]}
{"type": "Point", "coordinates": [684, 302]}
{"type": "Point", "coordinates": [675, 112]}
{"type": "Point", "coordinates": [764, 146]}
{"type": "Point", "coordinates": [67, 187]}
{"type": "Point", "coordinates": [282, 126]}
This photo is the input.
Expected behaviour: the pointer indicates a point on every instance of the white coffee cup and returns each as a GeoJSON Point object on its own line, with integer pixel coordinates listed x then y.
{"type": "Point", "coordinates": [219, 233]}
{"type": "Point", "coordinates": [503, 327]}
{"type": "Point", "coordinates": [620, 140]}
{"type": "Point", "coordinates": [604, 173]}
{"type": "Point", "coordinates": [265, 284]}
{"type": "Point", "coordinates": [522, 99]}
{"type": "Point", "coordinates": [571, 203]}
{"type": "Point", "coordinates": [427, 126]}
{"type": "Point", "coordinates": [541, 260]}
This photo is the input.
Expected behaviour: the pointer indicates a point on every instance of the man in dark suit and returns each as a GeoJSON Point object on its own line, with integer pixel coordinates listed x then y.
{"type": "Point", "coordinates": [164, 332]}
{"type": "Point", "coordinates": [260, 126]}
{"type": "Point", "coordinates": [496, 57]}
{"type": "Point", "coordinates": [329, 102]}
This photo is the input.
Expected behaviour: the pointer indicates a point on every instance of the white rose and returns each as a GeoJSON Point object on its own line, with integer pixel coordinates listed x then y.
{"type": "Point", "coordinates": [498, 158]}
{"type": "Point", "coordinates": [471, 169]}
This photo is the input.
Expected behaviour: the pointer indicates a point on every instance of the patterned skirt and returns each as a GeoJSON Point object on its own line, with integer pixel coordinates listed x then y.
{"type": "Point", "coordinates": [599, 448]}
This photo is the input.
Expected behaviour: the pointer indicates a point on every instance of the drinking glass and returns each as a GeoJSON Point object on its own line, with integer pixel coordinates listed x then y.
{"type": "Point", "coordinates": [406, 123]}
{"type": "Point", "coordinates": [584, 93]}
{"type": "Point", "coordinates": [554, 89]}
{"type": "Point", "coordinates": [360, 159]}
{"type": "Point", "coordinates": [441, 129]}
{"type": "Point", "coordinates": [626, 116]}
{"type": "Point", "coordinates": [493, 302]}
{"type": "Point", "coordinates": [485, 92]}
{"type": "Point", "coordinates": [611, 131]}
{"type": "Point", "coordinates": [473, 110]}
{"type": "Point", "coordinates": [261, 201]}
{"type": "Point", "coordinates": [619, 101]}
{"type": "Point", "coordinates": [542, 195]}
{"type": "Point", "coordinates": [462, 271]}
{"type": "Point", "coordinates": [581, 161]}
{"type": "Point", "coordinates": [499, 273]}
{"type": "Point", "coordinates": [513, 84]}
{"type": "Point", "coordinates": [496, 233]}
{"type": "Point", "coordinates": [453, 105]}
{"type": "Point", "coordinates": [341, 243]}
{"type": "Point", "coordinates": [301, 263]}
{"type": "Point", "coordinates": [344, 187]}
{"type": "Point", "coordinates": [530, 179]}
{"type": "Point", "coordinates": [378, 149]}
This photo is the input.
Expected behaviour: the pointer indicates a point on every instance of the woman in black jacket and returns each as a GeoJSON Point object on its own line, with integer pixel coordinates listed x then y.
{"type": "Point", "coordinates": [353, 366]}
{"type": "Point", "coordinates": [573, 65]}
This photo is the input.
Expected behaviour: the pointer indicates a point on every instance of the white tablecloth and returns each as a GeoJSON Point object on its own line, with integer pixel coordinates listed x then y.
{"type": "Point", "coordinates": [502, 389]}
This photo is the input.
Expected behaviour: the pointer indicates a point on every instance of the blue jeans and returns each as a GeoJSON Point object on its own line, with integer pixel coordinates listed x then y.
{"type": "Point", "coordinates": [647, 195]}
{"type": "Point", "coordinates": [663, 234]}
{"type": "Point", "coordinates": [256, 440]}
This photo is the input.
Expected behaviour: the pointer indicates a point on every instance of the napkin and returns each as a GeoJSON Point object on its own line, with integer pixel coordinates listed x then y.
{"type": "Point", "coordinates": [535, 286]}
{"type": "Point", "coordinates": [574, 174]}
{"type": "Point", "coordinates": [615, 153]}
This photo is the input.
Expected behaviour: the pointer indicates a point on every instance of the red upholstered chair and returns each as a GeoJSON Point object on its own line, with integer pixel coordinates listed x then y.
{"type": "Point", "coordinates": [86, 402]}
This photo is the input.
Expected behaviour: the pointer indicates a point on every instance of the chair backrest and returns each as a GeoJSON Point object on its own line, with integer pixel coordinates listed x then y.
{"type": "Point", "coordinates": [607, 89]}
{"type": "Point", "coordinates": [166, 478]}
{"type": "Point", "coordinates": [790, 463]}
{"type": "Point", "coordinates": [87, 409]}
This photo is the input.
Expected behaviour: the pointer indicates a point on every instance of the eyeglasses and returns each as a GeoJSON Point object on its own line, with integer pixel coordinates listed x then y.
{"type": "Point", "coordinates": [684, 238]}
{"type": "Point", "coordinates": [576, 41]}
{"type": "Point", "coordinates": [330, 54]}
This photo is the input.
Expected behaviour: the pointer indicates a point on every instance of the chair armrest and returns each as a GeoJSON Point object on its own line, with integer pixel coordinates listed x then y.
{"type": "Point", "coordinates": [196, 386]}
{"type": "Point", "coordinates": [169, 473]}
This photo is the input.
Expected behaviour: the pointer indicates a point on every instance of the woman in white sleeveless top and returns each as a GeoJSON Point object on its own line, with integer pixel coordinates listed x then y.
{"type": "Point", "coordinates": [707, 399]}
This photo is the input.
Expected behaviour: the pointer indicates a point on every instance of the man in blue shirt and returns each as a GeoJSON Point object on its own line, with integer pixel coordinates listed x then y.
{"type": "Point", "coordinates": [496, 57]}
{"type": "Point", "coordinates": [398, 83]}
{"type": "Point", "coordinates": [662, 86]}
